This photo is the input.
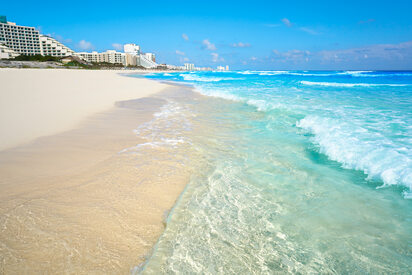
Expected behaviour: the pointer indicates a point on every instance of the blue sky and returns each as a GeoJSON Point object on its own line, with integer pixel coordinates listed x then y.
{"type": "Point", "coordinates": [256, 34]}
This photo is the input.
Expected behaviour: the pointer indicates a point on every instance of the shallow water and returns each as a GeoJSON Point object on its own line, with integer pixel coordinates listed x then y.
{"type": "Point", "coordinates": [291, 165]}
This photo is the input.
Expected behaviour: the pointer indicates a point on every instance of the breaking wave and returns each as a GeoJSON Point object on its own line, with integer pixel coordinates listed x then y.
{"type": "Point", "coordinates": [336, 84]}
{"type": "Point", "coordinates": [357, 148]}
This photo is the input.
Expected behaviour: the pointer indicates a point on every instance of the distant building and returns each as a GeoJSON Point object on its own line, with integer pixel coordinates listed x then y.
{"type": "Point", "coordinates": [50, 46]}
{"type": "Point", "coordinates": [131, 57]}
{"type": "Point", "coordinates": [28, 41]}
{"type": "Point", "coordinates": [222, 68]}
{"type": "Point", "coordinates": [147, 60]}
{"type": "Point", "coordinates": [189, 67]}
{"type": "Point", "coordinates": [134, 57]}
{"type": "Point", "coordinates": [16, 40]}
{"type": "Point", "coordinates": [203, 69]}
{"type": "Point", "coordinates": [131, 49]}
{"type": "Point", "coordinates": [150, 56]}
{"type": "Point", "coordinates": [6, 52]}
{"type": "Point", "coordinates": [110, 56]}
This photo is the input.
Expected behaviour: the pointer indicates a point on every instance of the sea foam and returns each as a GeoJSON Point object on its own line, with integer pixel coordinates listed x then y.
{"type": "Point", "coordinates": [192, 77]}
{"type": "Point", "coordinates": [336, 84]}
{"type": "Point", "coordinates": [357, 148]}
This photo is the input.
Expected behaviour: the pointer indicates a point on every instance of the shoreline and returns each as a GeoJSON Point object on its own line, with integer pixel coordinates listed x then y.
{"type": "Point", "coordinates": [73, 197]}
{"type": "Point", "coordinates": [35, 103]}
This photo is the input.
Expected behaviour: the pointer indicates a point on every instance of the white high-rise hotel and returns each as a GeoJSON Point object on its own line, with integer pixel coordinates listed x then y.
{"type": "Point", "coordinates": [28, 41]}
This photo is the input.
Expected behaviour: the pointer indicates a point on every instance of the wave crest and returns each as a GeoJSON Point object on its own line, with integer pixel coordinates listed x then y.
{"type": "Point", "coordinates": [336, 84]}
{"type": "Point", "coordinates": [357, 148]}
{"type": "Point", "coordinates": [198, 78]}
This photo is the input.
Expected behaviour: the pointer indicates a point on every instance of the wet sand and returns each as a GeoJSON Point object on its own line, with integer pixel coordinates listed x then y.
{"type": "Point", "coordinates": [72, 203]}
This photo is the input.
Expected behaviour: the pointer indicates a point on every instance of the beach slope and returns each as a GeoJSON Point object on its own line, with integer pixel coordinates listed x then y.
{"type": "Point", "coordinates": [40, 102]}
{"type": "Point", "coordinates": [70, 200]}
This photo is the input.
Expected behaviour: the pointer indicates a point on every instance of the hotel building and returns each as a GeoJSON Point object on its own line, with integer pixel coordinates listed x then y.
{"type": "Point", "coordinates": [222, 68]}
{"type": "Point", "coordinates": [134, 57]}
{"type": "Point", "coordinates": [28, 41]}
{"type": "Point", "coordinates": [189, 67]}
{"type": "Point", "coordinates": [110, 56]}
{"type": "Point", "coordinates": [131, 48]}
{"type": "Point", "coordinates": [22, 40]}
{"type": "Point", "coordinates": [128, 58]}
{"type": "Point", "coordinates": [7, 53]}
{"type": "Point", "coordinates": [50, 46]}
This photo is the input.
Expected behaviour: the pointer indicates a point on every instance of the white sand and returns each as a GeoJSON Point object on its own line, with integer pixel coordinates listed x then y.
{"type": "Point", "coordinates": [69, 202]}
{"type": "Point", "coordinates": [40, 102]}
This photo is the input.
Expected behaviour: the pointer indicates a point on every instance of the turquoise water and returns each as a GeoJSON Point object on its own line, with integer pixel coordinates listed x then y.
{"type": "Point", "coordinates": [304, 172]}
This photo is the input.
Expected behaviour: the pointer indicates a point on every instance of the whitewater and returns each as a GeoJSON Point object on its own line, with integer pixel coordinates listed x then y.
{"type": "Point", "coordinates": [305, 172]}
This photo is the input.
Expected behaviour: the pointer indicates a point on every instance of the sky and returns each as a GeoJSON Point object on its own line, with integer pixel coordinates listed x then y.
{"type": "Point", "coordinates": [255, 35]}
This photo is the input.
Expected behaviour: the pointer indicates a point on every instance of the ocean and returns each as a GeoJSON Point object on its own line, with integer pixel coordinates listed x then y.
{"type": "Point", "coordinates": [293, 172]}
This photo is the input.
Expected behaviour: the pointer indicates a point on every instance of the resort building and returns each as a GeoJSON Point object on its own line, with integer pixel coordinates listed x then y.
{"type": "Point", "coordinates": [131, 49]}
{"type": "Point", "coordinates": [22, 40]}
{"type": "Point", "coordinates": [135, 58]}
{"type": "Point", "coordinates": [147, 60]}
{"type": "Point", "coordinates": [150, 56]}
{"type": "Point", "coordinates": [223, 68]}
{"type": "Point", "coordinates": [189, 66]}
{"type": "Point", "coordinates": [6, 52]}
{"type": "Point", "coordinates": [50, 46]}
{"type": "Point", "coordinates": [132, 60]}
{"type": "Point", "coordinates": [131, 57]}
{"type": "Point", "coordinates": [110, 56]}
{"type": "Point", "coordinates": [28, 41]}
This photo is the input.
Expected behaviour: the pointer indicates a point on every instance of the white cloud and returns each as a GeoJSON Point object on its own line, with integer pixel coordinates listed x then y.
{"type": "Point", "coordinates": [292, 55]}
{"type": "Point", "coordinates": [61, 39]}
{"type": "Point", "coordinates": [185, 37]}
{"type": "Point", "coordinates": [210, 46]}
{"type": "Point", "coordinates": [383, 52]}
{"type": "Point", "coordinates": [309, 30]}
{"type": "Point", "coordinates": [287, 22]}
{"type": "Point", "coordinates": [183, 59]}
{"type": "Point", "coordinates": [84, 45]}
{"type": "Point", "coordinates": [305, 29]}
{"type": "Point", "coordinates": [240, 45]}
{"type": "Point", "coordinates": [117, 46]}
{"type": "Point", "coordinates": [378, 56]}
{"type": "Point", "coordinates": [253, 58]}
{"type": "Point", "coordinates": [216, 58]}
{"type": "Point", "coordinates": [179, 52]}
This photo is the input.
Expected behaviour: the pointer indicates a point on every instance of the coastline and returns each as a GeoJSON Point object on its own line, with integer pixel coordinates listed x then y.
{"type": "Point", "coordinates": [36, 102]}
{"type": "Point", "coordinates": [258, 202]}
{"type": "Point", "coordinates": [72, 201]}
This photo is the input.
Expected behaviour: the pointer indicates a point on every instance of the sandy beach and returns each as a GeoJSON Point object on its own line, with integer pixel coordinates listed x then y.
{"type": "Point", "coordinates": [69, 201]}
{"type": "Point", "coordinates": [35, 102]}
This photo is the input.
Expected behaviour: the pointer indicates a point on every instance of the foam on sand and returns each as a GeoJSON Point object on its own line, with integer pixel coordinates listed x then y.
{"type": "Point", "coordinates": [72, 197]}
